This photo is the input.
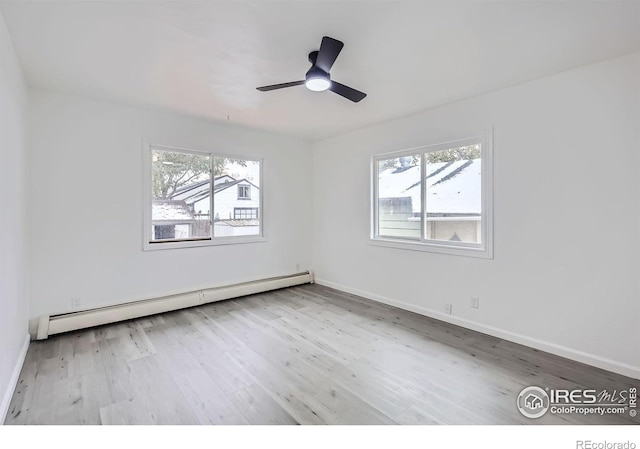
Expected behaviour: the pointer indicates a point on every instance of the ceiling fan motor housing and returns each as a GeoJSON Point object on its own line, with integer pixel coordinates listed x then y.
{"type": "Point", "coordinates": [313, 57]}
{"type": "Point", "coordinates": [314, 71]}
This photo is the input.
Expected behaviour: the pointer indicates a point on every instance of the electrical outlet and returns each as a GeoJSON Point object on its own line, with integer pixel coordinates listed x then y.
{"type": "Point", "coordinates": [76, 303]}
{"type": "Point", "coordinates": [475, 302]}
{"type": "Point", "coordinates": [448, 309]}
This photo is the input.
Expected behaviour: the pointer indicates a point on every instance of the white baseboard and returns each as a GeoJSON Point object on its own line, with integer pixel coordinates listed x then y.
{"type": "Point", "coordinates": [11, 387]}
{"type": "Point", "coordinates": [562, 351]}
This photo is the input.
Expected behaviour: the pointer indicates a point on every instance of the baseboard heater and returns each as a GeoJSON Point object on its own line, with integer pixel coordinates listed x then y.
{"type": "Point", "coordinates": [57, 324]}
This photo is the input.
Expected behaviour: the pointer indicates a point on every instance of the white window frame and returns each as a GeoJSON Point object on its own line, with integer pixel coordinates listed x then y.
{"type": "Point", "coordinates": [147, 197]}
{"type": "Point", "coordinates": [484, 249]}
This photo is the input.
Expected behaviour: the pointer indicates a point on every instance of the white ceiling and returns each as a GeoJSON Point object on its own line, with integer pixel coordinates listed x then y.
{"type": "Point", "coordinates": [207, 58]}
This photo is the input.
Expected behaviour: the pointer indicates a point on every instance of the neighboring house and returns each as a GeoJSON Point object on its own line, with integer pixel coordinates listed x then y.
{"type": "Point", "coordinates": [188, 211]}
{"type": "Point", "coordinates": [234, 200]}
{"type": "Point", "coordinates": [453, 201]}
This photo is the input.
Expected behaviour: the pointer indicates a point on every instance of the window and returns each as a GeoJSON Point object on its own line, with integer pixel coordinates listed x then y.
{"type": "Point", "coordinates": [436, 198]}
{"type": "Point", "coordinates": [244, 192]}
{"type": "Point", "coordinates": [195, 198]}
{"type": "Point", "coordinates": [245, 213]}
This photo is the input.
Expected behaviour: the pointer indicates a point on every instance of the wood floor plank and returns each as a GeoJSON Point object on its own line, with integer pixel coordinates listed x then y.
{"type": "Point", "coordinates": [135, 341]}
{"type": "Point", "coordinates": [124, 412]}
{"type": "Point", "coordinates": [302, 355]}
{"type": "Point", "coordinates": [259, 408]}
{"type": "Point", "coordinates": [211, 329]}
{"type": "Point", "coordinates": [23, 397]}
{"type": "Point", "coordinates": [415, 416]}
{"type": "Point", "coordinates": [155, 395]}
{"type": "Point", "coordinates": [50, 378]}
{"type": "Point", "coordinates": [377, 391]}
{"type": "Point", "coordinates": [295, 398]}
{"type": "Point", "coordinates": [217, 364]}
{"type": "Point", "coordinates": [207, 400]}
{"type": "Point", "coordinates": [116, 368]}
{"type": "Point", "coordinates": [86, 388]}
{"type": "Point", "coordinates": [349, 408]}
{"type": "Point", "coordinates": [294, 302]}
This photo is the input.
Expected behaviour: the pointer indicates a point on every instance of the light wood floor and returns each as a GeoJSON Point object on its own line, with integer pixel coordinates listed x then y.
{"type": "Point", "coordinates": [307, 355]}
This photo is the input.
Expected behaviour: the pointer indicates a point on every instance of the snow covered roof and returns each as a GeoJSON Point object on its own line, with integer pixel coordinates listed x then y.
{"type": "Point", "coordinates": [196, 189]}
{"type": "Point", "coordinates": [452, 187]}
{"type": "Point", "coordinates": [223, 179]}
{"type": "Point", "coordinates": [199, 190]}
{"type": "Point", "coordinates": [226, 185]}
{"type": "Point", "coordinates": [171, 211]}
{"type": "Point", "coordinates": [190, 189]}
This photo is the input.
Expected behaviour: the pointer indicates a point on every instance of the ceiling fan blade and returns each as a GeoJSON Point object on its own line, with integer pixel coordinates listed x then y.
{"type": "Point", "coordinates": [329, 50]}
{"type": "Point", "coordinates": [347, 92]}
{"type": "Point", "coordinates": [280, 86]}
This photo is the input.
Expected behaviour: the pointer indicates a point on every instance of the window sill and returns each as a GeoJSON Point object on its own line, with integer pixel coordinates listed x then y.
{"type": "Point", "coordinates": [199, 243]}
{"type": "Point", "coordinates": [467, 251]}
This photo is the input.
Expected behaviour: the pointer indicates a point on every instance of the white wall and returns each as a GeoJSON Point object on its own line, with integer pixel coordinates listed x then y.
{"type": "Point", "coordinates": [13, 155]}
{"type": "Point", "coordinates": [90, 152]}
{"type": "Point", "coordinates": [567, 217]}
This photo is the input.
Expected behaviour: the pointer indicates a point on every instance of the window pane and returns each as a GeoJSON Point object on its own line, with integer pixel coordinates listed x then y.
{"type": "Point", "coordinates": [399, 197]}
{"type": "Point", "coordinates": [245, 212]}
{"type": "Point", "coordinates": [236, 197]}
{"type": "Point", "coordinates": [181, 196]}
{"type": "Point", "coordinates": [454, 194]}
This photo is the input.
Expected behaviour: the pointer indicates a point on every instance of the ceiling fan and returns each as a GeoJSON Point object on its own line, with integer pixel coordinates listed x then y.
{"type": "Point", "coordinates": [318, 77]}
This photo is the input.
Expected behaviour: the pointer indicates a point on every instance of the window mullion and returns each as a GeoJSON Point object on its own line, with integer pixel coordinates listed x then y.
{"type": "Point", "coordinates": [423, 196]}
{"type": "Point", "coordinates": [211, 187]}
{"type": "Point", "coordinates": [375, 199]}
{"type": "Point", "coordinates": [149, 168]}
{"type": "Point", "coordinates": [376, 213]}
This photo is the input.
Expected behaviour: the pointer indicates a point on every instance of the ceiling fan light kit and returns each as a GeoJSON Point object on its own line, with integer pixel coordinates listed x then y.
{"type": "Point", "coordinates": [318, 77]}
{"type": "Point", "coordinates": [317, 84]}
